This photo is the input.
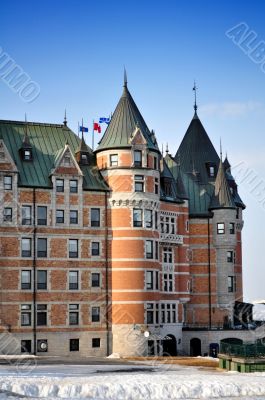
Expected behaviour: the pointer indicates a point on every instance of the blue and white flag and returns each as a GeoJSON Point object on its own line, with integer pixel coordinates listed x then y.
{"type": "Point", "coordinates": [83, 129]}
{"type": "Point", "coordinates": [103, 120]}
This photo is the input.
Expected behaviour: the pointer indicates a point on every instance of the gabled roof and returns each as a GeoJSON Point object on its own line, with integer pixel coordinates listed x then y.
{"type": "Point", "coordinates": [47, 141]}
{"type": "Point", "coordinates": [125, 120]}
{"type": "Point", "coordinates": [166, 175]}
{"type": "Point", "coordinates": [222, 196]}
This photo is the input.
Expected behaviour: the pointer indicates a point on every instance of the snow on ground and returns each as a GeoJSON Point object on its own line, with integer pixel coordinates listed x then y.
{"type": "Point", "coordinates": [128, 382]}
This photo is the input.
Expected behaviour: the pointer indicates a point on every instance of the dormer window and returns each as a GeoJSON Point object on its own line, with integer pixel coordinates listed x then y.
{"type": "Point", "coordinates": [27, 154]}
{"type": "Point", "coordinates": [84, 158]}
{"type": "Point", "coordinates": [137, 158]}
{"type": "Point", "coordinates": [211, 170]}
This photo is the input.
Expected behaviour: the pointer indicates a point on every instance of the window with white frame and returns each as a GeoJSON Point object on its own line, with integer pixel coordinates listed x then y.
{"type": "Point", "coordinates": [73, 314]}
{"type": "Point", "coordinates": [25, 279]}
{"type": "Point", "coordinates": [137, 158]}
{"type": "Point", "coordinates": [138, 183]}
{"type": "Point", "coordinates": [149, 251]}
{"type": "Point", "coordinates": [73, 280]}
{"type": "Point", "coordinates": [152, 280]}
{"type": "Point", "coordinates": [231, 284]}
{"type": "Point", "coordinates": [25, 316]}
{"type": "Point", "coordinates": [8, 182]}
{"type": "Point", "coordinates": [168, 224]}
{"type": "Point", "coordinates": [73, 248]}
{"type": "Point", "coordinates": [230, 256]}
{"type": "Point", "coordinates": [137, 217]}
{"type": "Point", "coordinates": [152, 313]}
{"type": "Point", "coordinates": [95, 217]}
{"type": "Point", "coordinates": [26, 247]}
{"type": "Point", "coordinates": [168, 313]}
{"type": "Point", "coordinates": [156, 186]}
{"type": "Point", "coordinates": [148, 218]}
{"type": "Point", "coordinates": [168, 281]}
{"type": "Point", "coordinates": [168, 255]}
{"type": "Point", "coordinates": [95, 248]}
{"type": "Point", "coordinates": [26, 215]}
{"type": "Point", "coordinates": [220, 228]}
{"type": "Point", "coordinates": [95, 314]}
{"type": "Point", "coordinates": [73, 186]}
{"type": "Point", "coordinates": [7, 217]}
{"type": "Point", "coordinates": [113, 160]}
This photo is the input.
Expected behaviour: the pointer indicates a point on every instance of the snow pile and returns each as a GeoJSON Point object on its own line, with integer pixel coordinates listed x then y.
{"type": "Point", "coordinates": [156, 386]}
{"type": "Point", "coordinates": [114, 355]}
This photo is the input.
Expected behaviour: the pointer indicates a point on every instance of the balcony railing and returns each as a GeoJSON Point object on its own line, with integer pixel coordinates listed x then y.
{"type": "Point", "coordinates": [171, 238]}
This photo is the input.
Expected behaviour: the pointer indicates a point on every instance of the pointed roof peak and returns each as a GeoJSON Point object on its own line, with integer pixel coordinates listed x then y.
{"type": "Point", "coordinates": [125, 81]}
{"type": "Point", "coordinates": [65, 119]}
{"type": "Point", "coordinates": [222, 196]}
{"type": "Point", "coordinates": [195, 97]}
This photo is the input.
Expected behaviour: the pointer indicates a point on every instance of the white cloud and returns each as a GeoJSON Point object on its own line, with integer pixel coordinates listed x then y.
{"type": "Point", "coordinates": [230, 109]}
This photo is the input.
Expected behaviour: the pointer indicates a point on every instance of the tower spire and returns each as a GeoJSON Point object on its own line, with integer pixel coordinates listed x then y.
{"type": "Point", "coordinates": [125, 78]}
{"type": "Point", "coordinates": [65, 119]}
{"type": "Point", "coordinates": [195, 96]}
{"type": "Point", "coordinates": [221, 152]}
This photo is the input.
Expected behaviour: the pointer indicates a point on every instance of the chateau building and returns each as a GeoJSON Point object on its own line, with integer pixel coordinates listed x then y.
{"type": "Point", "coordinates": [117, 250]}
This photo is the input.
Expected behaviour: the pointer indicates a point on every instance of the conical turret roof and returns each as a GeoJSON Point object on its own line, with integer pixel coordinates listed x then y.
{"type": "Point", "coordinates": [222, 196]}
{"type": "Point", "coordinates": [125, 120]}
{"type": "Point", "coordinates": [196, 151]}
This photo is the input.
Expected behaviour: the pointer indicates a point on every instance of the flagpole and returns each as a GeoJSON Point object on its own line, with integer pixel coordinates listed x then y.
{"type": "Point", "coordinates": [78, 130]}
{"type": "Point", "coordinates": [93, 136]}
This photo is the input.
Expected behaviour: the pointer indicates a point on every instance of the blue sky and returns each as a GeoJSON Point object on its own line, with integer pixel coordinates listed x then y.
{"type": "Point", "coordinates": [76, 50]}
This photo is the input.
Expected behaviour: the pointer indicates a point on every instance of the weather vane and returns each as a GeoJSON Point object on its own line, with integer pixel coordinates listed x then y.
{"type": "Point", "coordinates": [195, 96]}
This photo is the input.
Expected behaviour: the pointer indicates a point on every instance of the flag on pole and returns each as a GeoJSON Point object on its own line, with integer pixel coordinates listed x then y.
{"type": "Point", "coordinates": [97, 127]}
{"type": "Point", "coordinates": [103, 120]}
{"type": "Point", "coordinates": [83, 129]}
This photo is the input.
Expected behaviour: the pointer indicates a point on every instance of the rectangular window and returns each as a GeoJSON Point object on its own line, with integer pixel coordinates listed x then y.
{"type": "Point", "coordinates": [149, 280]}
{"type": "Point", "coordinates": [237, 213]}
{"type": "Point", "coordinates": [59, 216]}
{"type": "Point", "coordinates": [138, 183]}
{"type": "Point", "coordinates": [26, 247]}
{"type": "Point", "coordinates": [168, 255]}
{"type": "Point", "coordinates": [230, 256]}
{"type": "Point", "coordinates": [137, 217]}
{"type": "Point", "coordinates": [26, 279]}
{"type": "Point", "coordinates": [155, 162]}
{"type": "Point", "coordinates": [59, 185]}
{"type": "Point", "coordinates": [73, 280]}
{"type": "Point", "coordinates": [25, 314]}
{"type": "Point", "coordinates": [149, 249]}
{"type": "Point", "coordinates": [25, 346]}
{"type": "Point", "coordinates": [148, 218]}
{"type": "Point", "coordinates": [95, 217]}
{"type": "Point", "coordinates": [211, 171]}
{"type": "Point", "coordinates": [168, 224]}
{"type": "Point", "coordinates": [95, 248]}
{"type": "Point", "coordinates": [156, 220]}
{"type": "Point", "coordinates": [74, 344]}
{"type": "Point", "coordinates": [168, 282]}
{"type": "Point", "coordinates": [95, 279]}
{"type": "Point", "coordinates": [73, 248]}
{"type": "Point", "coordinates": [73, 186]}
{"type": "Point", "coordinates": [114, 160]}
{"type": "Point", "coordinates": [152, 313]}
{"type": "Point", "coordinates": [231, 284]}
{"type": "Point", "coordinates": [137, 158]}
{"type": "Point", "coordinates": [156, 186]}
{"type": "Point", "coordinates": [8, 182]}
{"type": "Point", "coordinates": [73, 314]}
{"type": "Point", "coordinates": [73, 217]}
{"type": "Point", "coordinates": [26, 215]}
{"type": "Point", "coordinates": [7, 214]}
{"type": "Point", "coordinates": [220, 228]}
{"type": "Point", "coordinates": [42, 247]}
{"type": "Point", "coordinates": [232, 228]}
{"type": "Point", "coordinates": [95, 342]}
{"type": "Point", "coordinates": [156, 251]}
{"type": "Point", "coordinates": [42, 215]}
{"type": "Point", "coordinates": [95, 314]}
{"type": "Point", "coordinates": [42, 279]}
{"type": "Point", "coordinates": [41, 314]}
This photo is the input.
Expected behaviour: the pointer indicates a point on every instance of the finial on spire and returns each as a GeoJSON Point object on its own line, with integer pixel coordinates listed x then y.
{"type": "Point", "coordinates": [195, 96]}
{"type": "Point", "coordinates": [167, 148]}
{"type": "Point", "coordinates": [221, 152]}
{"type": "Point", "coordinates": [162, 150]}
{"type": "Point", "coordinates": [125, 78]}
{"type": "Point", "coordinates": [26, 128]}
{"type": "Point", "coordinates": [65, 119]}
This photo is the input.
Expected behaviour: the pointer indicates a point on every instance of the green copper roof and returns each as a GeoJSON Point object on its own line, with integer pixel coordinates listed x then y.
{"type": "Point", "coordinates": [47, 141]}
{"type": "Point", "coordinates": [222, 196]}
{"type": "Point", "coordinates": [125, 120]}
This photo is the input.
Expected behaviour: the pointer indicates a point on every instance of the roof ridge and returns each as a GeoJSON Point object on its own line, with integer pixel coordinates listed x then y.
{"type": "Point", "coordinates": [7, 121]}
